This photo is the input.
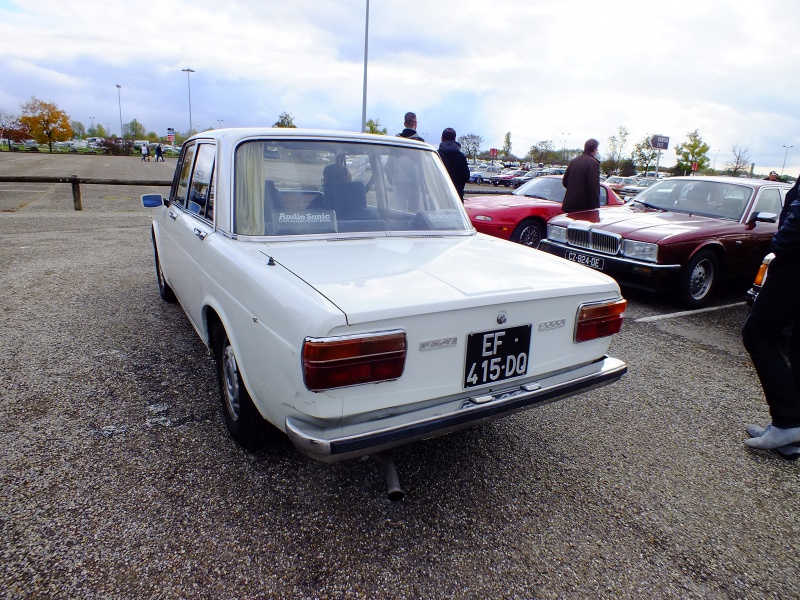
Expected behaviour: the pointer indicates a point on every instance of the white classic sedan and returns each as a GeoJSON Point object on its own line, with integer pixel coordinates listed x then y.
{"type": "Point", "coordinates": [348, 301]}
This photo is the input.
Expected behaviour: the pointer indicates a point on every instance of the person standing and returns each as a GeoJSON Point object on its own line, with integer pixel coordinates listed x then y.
{"type": "Point", "coordinates": [582, 180]}
{"type": "Point", "coordinates": [454, 160]}
{"type": "Point", "coordinates": [159, 153]}
{"type": "Point", "coordinates": [777, 307]}
{"type": "Point", "coordinates": [410, 124]}
{"type": "Point", "coordinates": [144, 152]}
{"type": "Point", "coordinates": [773, 176]}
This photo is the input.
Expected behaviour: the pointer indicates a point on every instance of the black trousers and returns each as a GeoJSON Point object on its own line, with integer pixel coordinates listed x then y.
{"type": "Point", "coordinates": [777, 308]}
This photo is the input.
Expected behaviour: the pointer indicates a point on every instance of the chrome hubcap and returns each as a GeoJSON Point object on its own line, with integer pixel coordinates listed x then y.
{"type": "Point", "coordinates": [230, 372]}
{"type": "Point", "coordinates": [701, 279]}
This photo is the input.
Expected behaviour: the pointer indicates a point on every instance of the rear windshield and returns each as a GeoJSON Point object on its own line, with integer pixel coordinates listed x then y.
{"type": "Point", "coordinates": [286, 188]}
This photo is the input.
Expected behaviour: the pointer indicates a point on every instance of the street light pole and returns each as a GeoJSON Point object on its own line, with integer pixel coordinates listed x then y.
{"type": "Point", "coordinates": [219, 121]}
{"type": "Point", "coordinates": [189, 83]}
{"type": "Point", "coordinates": [119, 99]}
{"type": "Point", "coordinates": [366, 52]}
{"type": "Point", "coordinates": [784, 158]}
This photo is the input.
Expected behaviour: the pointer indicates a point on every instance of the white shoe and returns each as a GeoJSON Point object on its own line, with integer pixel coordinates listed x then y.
{"type": "Point", "coordinates": [772, 438]}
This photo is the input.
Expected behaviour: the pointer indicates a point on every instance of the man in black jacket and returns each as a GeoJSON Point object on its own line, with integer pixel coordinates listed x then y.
{"type": "Point", "coordinates": [582, 180]}
{"type": "Point", "coordinates": [410, 131]}
{"type": "Point", "coordinates": [777, 306]}
{"type": "Point", "coordinates": [454, 160]}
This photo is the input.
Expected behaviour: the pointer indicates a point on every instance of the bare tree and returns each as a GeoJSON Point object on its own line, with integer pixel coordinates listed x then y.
{"type": "Point", "coordinates": [741, 159]}
{"type": "Point", "coordinates": [471, 144]}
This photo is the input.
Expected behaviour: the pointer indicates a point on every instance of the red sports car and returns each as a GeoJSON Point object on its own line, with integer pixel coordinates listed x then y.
{"type": "Point", "coordinates": [522, 216]}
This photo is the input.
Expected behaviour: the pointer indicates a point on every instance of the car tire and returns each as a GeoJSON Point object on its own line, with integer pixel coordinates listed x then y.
{"type": "Point", "coordinates": [245, 424]}
{"type": "Point", "coordinates": [698, 279]}
{"type": "Point", "coordinates": [479, 180]}
{"type": "Point", "coordinates": [528, 233]}
{"type": "Point", "coordinates": [166, 293]}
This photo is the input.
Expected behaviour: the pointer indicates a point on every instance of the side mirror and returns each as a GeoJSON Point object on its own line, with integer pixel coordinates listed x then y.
{"type": "Point", "coordinates": [152, 200]}
{"type": "Point", "coordinates": [766, 217]}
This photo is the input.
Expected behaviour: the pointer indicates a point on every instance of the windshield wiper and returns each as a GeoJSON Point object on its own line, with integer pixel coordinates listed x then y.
{"type": "Point", "coordinates": [648, 205]}
{"type": "Point", "coordinates": [535, 196]}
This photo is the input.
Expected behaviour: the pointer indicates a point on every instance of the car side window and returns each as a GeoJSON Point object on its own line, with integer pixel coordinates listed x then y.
{"type": "Point", "coordinates": [603, 196]}
{"type": "Point", "coordinates": [201, 190]}
{"type": "Point", "coordinates": [182, 186]}
{"type": "Point", "coordinates": [769, 200]}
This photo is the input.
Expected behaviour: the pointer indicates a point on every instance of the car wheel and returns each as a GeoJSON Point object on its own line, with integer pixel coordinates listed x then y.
{"type": "Point", "coordinates": [164, 290]}
{"type": "Point", "coordinates": [528, 233]}
{"type": "Point", "coordinates": [479, 180]}
{"type": "Point", "coordinates": [698, 279]}
{"type": "Point", "coordinates": [244, 422]}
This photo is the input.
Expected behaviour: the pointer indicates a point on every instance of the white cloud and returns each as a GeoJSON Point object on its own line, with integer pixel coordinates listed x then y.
{"type": "Point", "coordinates": [562, 71]}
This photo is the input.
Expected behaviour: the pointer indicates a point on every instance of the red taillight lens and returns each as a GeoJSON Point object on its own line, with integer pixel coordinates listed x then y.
{"type": "Point", "coordinates": [339, 362]}
{"type": "Point", "coordinates": [600, 319]}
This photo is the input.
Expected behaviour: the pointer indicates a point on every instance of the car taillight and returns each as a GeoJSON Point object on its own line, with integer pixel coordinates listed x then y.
{"type": "Point", "coordinates": [599, 319]}
{"type": "Point", "coordinates": [351, 360]}
{"type": "Point", "coordinates": [762, 271]}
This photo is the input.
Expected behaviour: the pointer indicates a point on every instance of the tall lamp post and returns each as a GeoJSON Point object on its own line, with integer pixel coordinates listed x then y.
{"type": "Point", "coordinates": [219, 122]}
{"type": "Point", "coordinates": [785, 154]}
{"type": "Point", "coordinates": [92, 126]}
{"type": "Point", "coordinates": [189, 83]}
{"type": "Point", "coordinates": [364, 101]}
{"type": "Point", "coordinates": [565, 145]}
{"type": "Point", "coordinates": [119, 99]}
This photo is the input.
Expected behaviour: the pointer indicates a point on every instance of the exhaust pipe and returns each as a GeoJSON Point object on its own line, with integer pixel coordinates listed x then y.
{"type": "Point", "coordinates": [393, 491]}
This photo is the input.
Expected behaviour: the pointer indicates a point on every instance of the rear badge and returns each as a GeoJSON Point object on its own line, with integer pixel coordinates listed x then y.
{"type": "Point", "coordinates": [436, 344]}
{"type": "Point", "coordinates": [552, 325]}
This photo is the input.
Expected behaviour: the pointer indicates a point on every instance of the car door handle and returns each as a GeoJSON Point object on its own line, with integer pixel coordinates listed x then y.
{"type": "Point", "coordinates": [201, 234]}
{"type": "Point", "coordinates": [172, 215]}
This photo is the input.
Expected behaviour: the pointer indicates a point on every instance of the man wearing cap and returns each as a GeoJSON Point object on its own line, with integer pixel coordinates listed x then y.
{"type": "Point", "coordinates": [773, 176]}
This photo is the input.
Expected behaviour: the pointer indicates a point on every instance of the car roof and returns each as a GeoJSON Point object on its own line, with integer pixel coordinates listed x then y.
{"type": "Point", "coordinates": [728, 180]}
{"type": "Point", "coordinates": [233, 136]}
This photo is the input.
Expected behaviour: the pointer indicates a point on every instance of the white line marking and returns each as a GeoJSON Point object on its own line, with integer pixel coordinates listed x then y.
{"type": "Point", "coordinates": [687, 312]}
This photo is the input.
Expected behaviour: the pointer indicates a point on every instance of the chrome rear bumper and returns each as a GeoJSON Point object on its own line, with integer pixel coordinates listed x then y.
{"type": "Point", "coordinates": [330, 444]}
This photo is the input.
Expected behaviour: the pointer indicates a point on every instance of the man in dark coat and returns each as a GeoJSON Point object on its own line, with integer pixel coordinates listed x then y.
{"type": "Point", "coordinates": [454, 160]}
{"type": "Point", "coordinates": [777, 306]}
{"type": "Point", "coordinates": [582, 180]}
{"type": "Point", "coordinates": [410, 131]}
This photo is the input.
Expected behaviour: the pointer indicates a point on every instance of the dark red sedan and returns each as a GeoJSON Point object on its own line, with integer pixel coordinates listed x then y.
{"type": "Point", "coordinates": [681, 234]}
{"type": "Point", "coordinates": [522, 215]}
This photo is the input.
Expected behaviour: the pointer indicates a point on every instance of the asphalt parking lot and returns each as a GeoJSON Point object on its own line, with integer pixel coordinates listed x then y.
{"type": "Point", "coordinates": [118, 478]}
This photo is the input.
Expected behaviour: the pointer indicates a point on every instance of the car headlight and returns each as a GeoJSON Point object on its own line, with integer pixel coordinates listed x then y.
{"type": "Point", "coordinates": [557, 233]}
{"type": "Point", "coordinates": [483, 218]}
{"type": "Point", "coordinates": [640, 250]}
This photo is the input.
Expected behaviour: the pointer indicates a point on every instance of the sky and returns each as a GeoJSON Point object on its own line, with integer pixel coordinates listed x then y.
{"type": "Point", "coordinates": [563, 71]}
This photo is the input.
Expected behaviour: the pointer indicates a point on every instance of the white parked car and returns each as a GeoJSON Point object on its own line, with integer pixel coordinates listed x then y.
{"type": "Point", "coordinates": [349, 302]}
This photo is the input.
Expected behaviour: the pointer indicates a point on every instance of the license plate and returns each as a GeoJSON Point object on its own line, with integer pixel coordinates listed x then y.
{"type": "Point", "coordinates": [497, 355]}
{"type": "Point", "coordinates": [589, 261]}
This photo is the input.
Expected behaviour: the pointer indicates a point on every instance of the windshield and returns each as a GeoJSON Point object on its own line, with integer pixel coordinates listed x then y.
{"type": "Point", "coordinates": [549, 188]}
{"type": "Point", "coordinates": [321, 187]}
{"type": "Point", "coordinates": [708, 198]}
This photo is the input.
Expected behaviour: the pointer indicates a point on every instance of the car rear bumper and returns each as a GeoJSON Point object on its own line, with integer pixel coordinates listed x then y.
{"type": "Point", "coordinates": [330, 444]}
{"type": "Point", "coordinates": [632, 273]}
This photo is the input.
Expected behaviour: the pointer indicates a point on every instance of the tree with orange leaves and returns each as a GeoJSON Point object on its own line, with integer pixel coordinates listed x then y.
{"type": "Point", "coordinates": [45, 122]}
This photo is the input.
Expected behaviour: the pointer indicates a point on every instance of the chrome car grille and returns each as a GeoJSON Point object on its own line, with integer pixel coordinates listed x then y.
{"type": "Point", "coordinates": [600, 241]}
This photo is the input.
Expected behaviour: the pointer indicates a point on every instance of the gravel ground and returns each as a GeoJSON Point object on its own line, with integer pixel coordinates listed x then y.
{"type": "Point", "coordinates": [118, 478]}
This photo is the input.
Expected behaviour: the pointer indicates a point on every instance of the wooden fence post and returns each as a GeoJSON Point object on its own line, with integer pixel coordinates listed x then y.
{"type": "Point", "coordinates": [76, 193]}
